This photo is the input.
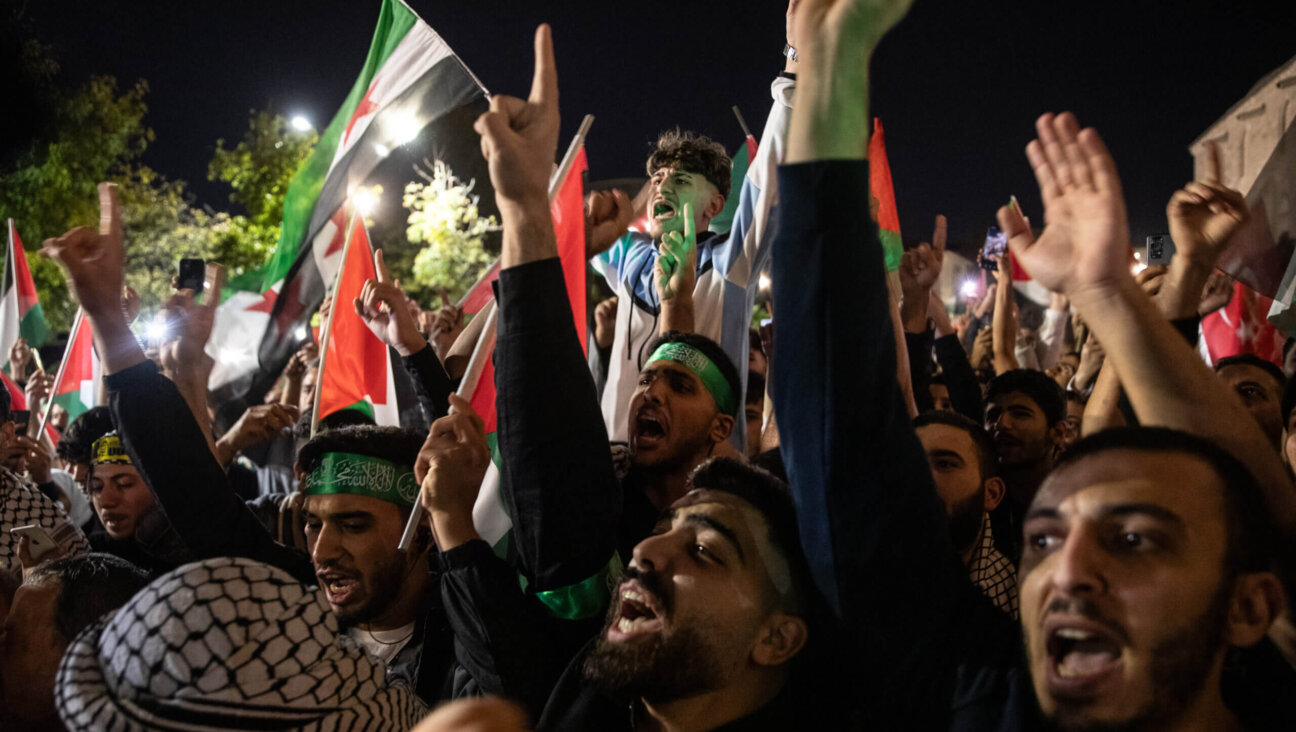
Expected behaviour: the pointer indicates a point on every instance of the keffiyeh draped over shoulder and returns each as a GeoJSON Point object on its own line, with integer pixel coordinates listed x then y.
{"type": "Point", "coordinates": [21, 504]}
{"type": "Point", "coordinates": [227, 643]}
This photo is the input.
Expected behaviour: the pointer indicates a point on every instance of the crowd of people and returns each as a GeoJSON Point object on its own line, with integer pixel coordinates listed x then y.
{"type": "Point", "coordinates": [868, 516]}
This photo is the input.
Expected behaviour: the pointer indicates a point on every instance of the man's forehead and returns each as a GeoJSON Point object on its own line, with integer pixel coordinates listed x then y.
{"type": "Point", "coordinates": [108, 471]}
{"type": "Point", "coordinates": [1177, 483]}
{"type": "Point", "coordinates": [666, 364]}
{"type": "Point", "coordinates": [1013, 398]}
{"type": "Point", "coordinates": [329, 504]}
{"type": "Point", "coordinates": [1237, 372]}
{"type": "Point", "coordinates": [946, 437]}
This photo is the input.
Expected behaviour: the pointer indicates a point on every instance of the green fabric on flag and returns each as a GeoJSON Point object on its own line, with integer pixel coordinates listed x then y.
{"type": "Point", "coordinates": [32, 326]}
{"type": "Point", "coordinates": [585, 599]}
{"type": "Point", "coordinates": [394, 21]}
{"type": "Point", "coordinates": [723, 221]}
{"type": "Point", "coordinates": [72, 404]}
{"type": "Point", "coordinates": [892, 247]}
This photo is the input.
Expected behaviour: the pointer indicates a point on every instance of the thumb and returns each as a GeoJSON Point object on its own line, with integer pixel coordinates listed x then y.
{"type": "Point", "coordinates": [689, 233]}
{"type": "Point", "coordinates": [380, 267]}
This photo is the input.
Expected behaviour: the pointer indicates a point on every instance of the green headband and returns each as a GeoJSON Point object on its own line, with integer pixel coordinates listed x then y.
{"type": "Point", "coordinates": [362, 475]}
{"type": "Point", "coordinates": [706, 370]}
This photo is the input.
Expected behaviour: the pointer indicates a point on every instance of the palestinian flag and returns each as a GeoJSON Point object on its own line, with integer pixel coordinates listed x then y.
{"type": "Point", "coordinates": [77, 387]}
{"type": "Point", "coordinates": [414, 100]}
{"type": "Point", "coordinates": [882, 201]}
{"type": "Point", "coordinates": [20, 309]}
{"type": "Point", "coordinates": [741, 161]}
{"type": "Point", "coordinates": [357, 371]}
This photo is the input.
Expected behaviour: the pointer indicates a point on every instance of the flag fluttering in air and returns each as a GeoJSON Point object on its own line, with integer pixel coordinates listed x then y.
{"type": "Point", "coordinates": [741, 161]}
{"type": "Point", "coordinates": [20, 309]}
{"type": "Point", "coordinates": [1242, 327]}
{"type": "Point", "coordinates": [355, 372]}
{"type": "Point", "coordinates": [414, 99]}
{"type": "Point", "coordinates": [77, 387]}
{"type": "Point", "coordinates": [883, 198]}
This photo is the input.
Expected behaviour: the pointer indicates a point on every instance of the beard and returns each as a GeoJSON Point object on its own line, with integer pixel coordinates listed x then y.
{"type": "Point", "coordinates": [1181, 664]}
{"type": "Point", "coordinates": [673, 664]}
{"type": "Point", "coordinates": [383, 585]}
{"type": "Point", "coordinates": [965, 519]}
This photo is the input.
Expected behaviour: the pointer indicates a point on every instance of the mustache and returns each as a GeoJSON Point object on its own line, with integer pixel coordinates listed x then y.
{"type": "Point", "coordinates": [1086, 609]}
{"type": "Point", "coordinates": [651, 582]}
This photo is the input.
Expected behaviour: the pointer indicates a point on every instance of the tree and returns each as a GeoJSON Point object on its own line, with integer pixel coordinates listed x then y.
{"type": "Point", "coordinates": [97, 134]}
{"type": "Point", "coordinates": [444, 216]}
{"type": "Point", "coordinates": [259, 170]}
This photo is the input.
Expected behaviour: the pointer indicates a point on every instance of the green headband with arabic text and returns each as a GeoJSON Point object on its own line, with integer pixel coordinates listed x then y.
{"type": "Point", "coordinates": [707, 372]}
{"type": "Point", "coordinates": [363, 475]}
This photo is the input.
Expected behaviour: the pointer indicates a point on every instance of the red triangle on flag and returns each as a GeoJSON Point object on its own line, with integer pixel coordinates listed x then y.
{"type": "Point", "coordinates": [355, 365]}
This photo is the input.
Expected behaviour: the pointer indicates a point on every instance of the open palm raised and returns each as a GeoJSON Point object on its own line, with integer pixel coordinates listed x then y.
{"type": "Point", "coordinates": [1085, 242]}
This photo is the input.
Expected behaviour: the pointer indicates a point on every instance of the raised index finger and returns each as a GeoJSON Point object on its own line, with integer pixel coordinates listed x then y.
{"type": "Point", "coordinates": [380, 267]}
{"type": "Point", "coordinates": [1212, 165]}
{"type": "Point", "coordinates": [544, 85]}
{"type": "Point", "coordinates": [109, 210]}
{"type": "Point", "coordinates": [938, 237]}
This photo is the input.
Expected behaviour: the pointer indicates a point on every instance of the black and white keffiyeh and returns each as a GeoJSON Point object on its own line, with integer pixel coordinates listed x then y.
{"type": "Point", "coordinates": [226, 643]}
{"type": "Point", "coordinates": [22, 504]}
{"type": "Point", "coordinates": [992, 572]}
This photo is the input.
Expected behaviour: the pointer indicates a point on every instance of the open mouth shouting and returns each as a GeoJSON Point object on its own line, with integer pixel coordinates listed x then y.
{"type": "Point", "coordinates": [649, 429]}
{"type": "Point", "coordinates": [116, 523]}
{"type": "Point", "coordinates": [663, 210]}
{"type": "Point", "coordinates": [339, 587]}
{"type": "Point", "coordinates": [1082, 656]}
{"type": "Point", "coordinates": [638, 614]}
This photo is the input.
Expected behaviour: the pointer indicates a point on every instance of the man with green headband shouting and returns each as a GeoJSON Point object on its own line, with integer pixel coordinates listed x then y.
{"type": "Point", "coordinates": [358, 482]}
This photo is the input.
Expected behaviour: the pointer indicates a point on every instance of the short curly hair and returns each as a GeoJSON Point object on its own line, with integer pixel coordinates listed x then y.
{"type": "Point", "coordinates": [693, 153]}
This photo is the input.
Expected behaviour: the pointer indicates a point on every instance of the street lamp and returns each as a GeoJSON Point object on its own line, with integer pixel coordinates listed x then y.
{"type": "Point", "coordinates": [300, 123]}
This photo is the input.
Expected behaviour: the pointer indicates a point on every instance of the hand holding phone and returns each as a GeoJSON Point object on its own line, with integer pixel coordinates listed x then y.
{"type": "Point", "coordinates": [1160, 249]}
{"type": "Point", "coordinates": [39, 542]}
{"type": "Point", "coordinates": [21, 419]}
{"type": "Point", "coordinates": [192, 275]}
{"type": "Point", "coordinates": [996, 243]}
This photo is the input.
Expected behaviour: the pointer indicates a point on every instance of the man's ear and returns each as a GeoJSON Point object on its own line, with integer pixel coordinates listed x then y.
{"type": "Point", "coordinates": [721, 427]}
{"type": "Point", "coordinates": [715, 205]}
{"type": "Point", "coordinates": [1258, 600]}
{"type": "Point", "coordinates": [781, 637]}
{"type": "Point", "coordinates": [995, 490]}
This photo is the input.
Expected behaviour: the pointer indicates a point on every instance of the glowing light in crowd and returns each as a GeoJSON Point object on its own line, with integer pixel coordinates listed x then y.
{"type": "Point", "coordinates": [1138, 267]}
{"type": "Point", "coordinates": [969, 288]}
{"type": "Point", "coordinates": [764, 282]}
{"type": "Point", "coordinates": [1138, 256]}
{"type": "Point", "coordinates": [365, 200]}
{"type": "Point", "coordinates": [382, 150]}
{"type": "Point", "coordinates": [156, 330]}
{"type": "Point", "coordinates": [302, 332]}
{"type": "Point", "coordinates": [300, 123]}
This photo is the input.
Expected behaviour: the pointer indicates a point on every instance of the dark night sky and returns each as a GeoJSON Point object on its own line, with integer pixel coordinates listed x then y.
{"type": "Point", "coordinates": [957, 84]}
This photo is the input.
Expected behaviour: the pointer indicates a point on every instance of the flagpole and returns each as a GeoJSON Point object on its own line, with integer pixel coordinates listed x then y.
{"type": "Point", "coordinates": [555, 183]}
{"type": "Point", "coordinates": [328, 323]}
{"type": "Point", "coordinates": [471, 377]}
{"type": "Point", "coordinates": [58, 380]}
{"type": "Point", "coordinates": [742, 122]}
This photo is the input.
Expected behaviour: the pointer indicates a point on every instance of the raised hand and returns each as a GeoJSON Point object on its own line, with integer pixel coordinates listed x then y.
{"type": "Point", "coordinates": [260, 423]}
{"type": "Point", "coordinates": [1216, 293]}
{"type": "Point", "coordinates": [19, 356]}
{"type": "Point", "coordinates": [450, 467]}
{"type": "Point", "coordinates": [519, 137]}
{"type": "Point", "coordinates": [1204, 214]}
{"type": "Point", "coordinates": [382, 307]}
{"type": "Point", "coordinates": [605, 322]}
{"type": "Point", "coordinates": [921, 266]}
{"type": "Point", "coordinates": [189, 326]}
{"type": "Point", "coordinates": [1085, 243]}
{"type": "Point", "coordinates": [607, 218]}
{"type": "Point", "coordinates": [38, 387]}
{"type": "Point", "coordinates": [676, 266]}
{"type": "Point", "coordinates": [94, 259]}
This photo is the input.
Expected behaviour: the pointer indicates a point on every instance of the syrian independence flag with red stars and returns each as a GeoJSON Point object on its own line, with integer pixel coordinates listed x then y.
{"type": "Point", "coordinates": [414, 100]}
